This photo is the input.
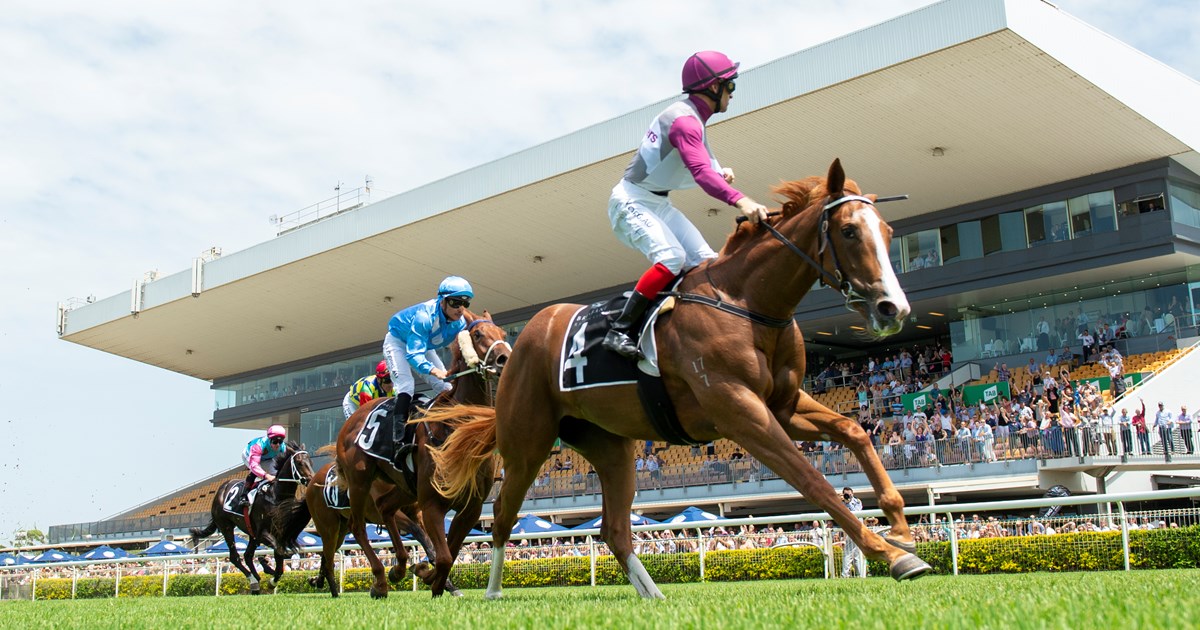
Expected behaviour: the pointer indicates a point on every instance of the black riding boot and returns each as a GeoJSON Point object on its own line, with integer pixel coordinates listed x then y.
{"type": "Point", "coordinates": [621, 338]}
{"type": "Point", "coordinates": [399, 424]}
{"type": "Point", "coordinates": [241, 503]}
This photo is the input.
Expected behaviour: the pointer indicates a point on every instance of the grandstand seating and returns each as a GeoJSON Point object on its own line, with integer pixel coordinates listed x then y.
{"type": "Point", "coordinates": [194, 500]}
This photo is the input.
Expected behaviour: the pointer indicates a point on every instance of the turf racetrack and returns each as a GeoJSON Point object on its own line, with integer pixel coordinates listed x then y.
{"type": "Point", "coordinates": [1141, 599]}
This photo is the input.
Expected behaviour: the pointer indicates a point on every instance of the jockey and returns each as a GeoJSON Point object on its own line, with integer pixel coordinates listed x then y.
{"type": "Point", "coordinates": [259, 457]}
{"type": "Point", "coordinates": [673, 155]}
{"type": "Point", "coordinates": [368, 388]}
{"type": "Point", "coordinates": [414, 334]}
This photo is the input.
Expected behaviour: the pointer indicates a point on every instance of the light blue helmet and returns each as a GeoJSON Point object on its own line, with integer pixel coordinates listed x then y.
{"type": "Point", "coordinates": [454, 286]}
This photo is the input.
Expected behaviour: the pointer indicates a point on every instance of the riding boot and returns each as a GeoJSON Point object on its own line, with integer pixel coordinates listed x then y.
{"type": "Point", "coordinates": [399, 426]}
{"type": "Point", "coordinates": [241, 503]}
{"type": "Point", "coordinates": [621, 337]}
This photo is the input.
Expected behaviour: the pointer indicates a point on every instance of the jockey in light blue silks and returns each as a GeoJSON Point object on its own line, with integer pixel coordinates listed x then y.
{"type": "Point", "coordinates": [414, 335]}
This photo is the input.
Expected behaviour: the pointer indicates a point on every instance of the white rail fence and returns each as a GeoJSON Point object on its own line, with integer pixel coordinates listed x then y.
{"type": "Point", "coordinates": [949, 523]}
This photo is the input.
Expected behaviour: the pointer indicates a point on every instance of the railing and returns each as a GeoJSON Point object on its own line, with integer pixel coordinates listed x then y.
{"type": "Point", "coordinates": [955, 524]}
{"type": "Point", "coordinates": [342, 202]}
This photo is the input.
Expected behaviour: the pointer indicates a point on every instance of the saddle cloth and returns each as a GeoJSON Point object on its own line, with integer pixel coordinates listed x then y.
{"type": "Point", "coordinates": [235, 489]}
{"type": "Point", "coordinates": [375, 437]}
{"type": "Point", "coordinates": [335, 497]}
{"type": "Point", "coordinates": [586, 364]}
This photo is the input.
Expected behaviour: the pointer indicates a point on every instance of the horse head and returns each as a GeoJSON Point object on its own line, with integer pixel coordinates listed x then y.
{"type": "Point", "coordinates": [483, 344]}
{"type": "Point", "coordinates": [852, 247]}
{"type": "Point", "coordinates": [294, 464]}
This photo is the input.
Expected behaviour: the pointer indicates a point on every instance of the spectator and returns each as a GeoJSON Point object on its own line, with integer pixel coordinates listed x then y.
{"type": "Point", "coordinates": [1184, 421]}
{"type": "Point", "coordinates": [1164, 422]}
{"type": "Point", "coordinates": [1143, 432]}
{"type": "Point", "coordinates": [852, 557]}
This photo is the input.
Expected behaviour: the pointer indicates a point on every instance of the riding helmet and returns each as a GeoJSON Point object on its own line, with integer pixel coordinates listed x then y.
{"type": "Point", "coordinates": [706, 68]}
{"type": "Point", "coordinates": [454, 286]}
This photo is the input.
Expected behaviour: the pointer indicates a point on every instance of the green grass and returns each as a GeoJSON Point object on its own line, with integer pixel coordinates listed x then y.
{"type": "Point", "coordinates": [1143, 599]}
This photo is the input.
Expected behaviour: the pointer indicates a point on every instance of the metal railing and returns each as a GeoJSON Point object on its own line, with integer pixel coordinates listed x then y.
{"type": "Point", "coordinates": [323, 209]}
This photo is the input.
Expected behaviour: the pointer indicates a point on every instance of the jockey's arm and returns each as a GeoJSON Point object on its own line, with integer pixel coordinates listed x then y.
{"type": "Point", "coordinates": [254, 463]}
{"type": "Point", "coordinates": [687, 136]}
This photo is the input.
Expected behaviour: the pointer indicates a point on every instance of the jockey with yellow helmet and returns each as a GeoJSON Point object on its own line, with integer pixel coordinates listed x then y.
{"type": "Point", "coordinates": [673, 155]}
{"type": "Point", "coordinates": [414, 335]}
{"type": "Point", "coordinates": [368, 388]}
{"type": "Point", "coordinates": [259, 457]}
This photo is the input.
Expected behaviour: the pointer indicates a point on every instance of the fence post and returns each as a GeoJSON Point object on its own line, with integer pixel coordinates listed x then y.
{"type": "Point", "coordinates": [342, 572]}
{"type": "Point", "coordinates": [414, 575]}
{"type": "Point", "coordinates": [74, 580]}
{"type": "Point", "coordinates": [827, 548]}
{"type": "Point", "coordinates": [953, 540]}
{"type": "Point", "coordinates": [166, 569]}
{"type": "Point", "coordinates": [220, 568]}
{"type": "Point", "coordinates": [117, 583]}
{"type": "Point", "coordinates": [592, 558]}
{"type": "Point", "coordinates": [1124, 533]}
{"type": "Point", "coordinates": [33, 595]}
{"type": "Point", "coordinates": [700, 537]}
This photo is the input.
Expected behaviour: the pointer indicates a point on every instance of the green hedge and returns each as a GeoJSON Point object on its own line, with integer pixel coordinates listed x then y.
{"type": "Point", "coordinates": [1093, 551]}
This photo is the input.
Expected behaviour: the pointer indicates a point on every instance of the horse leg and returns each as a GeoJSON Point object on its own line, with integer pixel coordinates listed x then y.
{"type": "Point", "coordinates": [612, 457]}
{"type": "Point", "coordinates": [248, 558]}
{"type": "Point", "coordinates": [812, 420]}
{"type": "Point", "coordinates": [433, 517]}
{"type": "Point", "coordinates": [460, 527]}
{"type": "Point", "coordinates": [359, 496]}
{"type": "Point", "coordinates": [523, 456]}
{"type": "Point", "coordinates": [227, 532]}
{"type": "Point", "coordinates": [396, 573]}
{"type": "Point", "coordinates": [763, 437]}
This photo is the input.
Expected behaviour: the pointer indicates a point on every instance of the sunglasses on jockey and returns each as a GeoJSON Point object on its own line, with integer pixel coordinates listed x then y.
{"type": "Point", "coordinates": [458, 302]}
{"type": "Point", "coordinates": [276, 440]}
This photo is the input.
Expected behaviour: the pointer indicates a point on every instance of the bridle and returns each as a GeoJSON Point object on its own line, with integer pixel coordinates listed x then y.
{"type": "Point", "coordinates": [296, 476]}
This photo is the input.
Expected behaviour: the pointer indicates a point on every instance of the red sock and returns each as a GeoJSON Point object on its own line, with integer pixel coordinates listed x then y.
{"type": "Point", "coordinates": [654, 280]}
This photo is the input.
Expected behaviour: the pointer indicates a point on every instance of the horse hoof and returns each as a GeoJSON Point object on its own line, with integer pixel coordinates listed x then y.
{"type": "Point", "coordinates": [378, 594]}
{"type": "Point", "coordinates": [395, 575]}
{"type": "Point", "coordinates": [422, 570]}
{"type": "Point", "coordinates": [456, 593]}
{"type": "Point", "coordinates": [491, 595]}
{"type": "Point", "coordinates": [312, 581]}
{"type": "Point", "coordinates": [910, 547]}
{"type": "Point", "coordinates": [909, 567]}
{"type": "Point", "coordinates": [334, 595]}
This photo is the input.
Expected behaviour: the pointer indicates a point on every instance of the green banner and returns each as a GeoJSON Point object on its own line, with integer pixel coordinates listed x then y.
{"type": "Point", "coordinates": [919, 400]}
{"type": "Point", "coordinates": [986, 392]}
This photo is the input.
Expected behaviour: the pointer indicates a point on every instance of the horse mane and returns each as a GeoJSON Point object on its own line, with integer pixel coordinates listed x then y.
{"type": "Point", "coordinates": [794, 196]}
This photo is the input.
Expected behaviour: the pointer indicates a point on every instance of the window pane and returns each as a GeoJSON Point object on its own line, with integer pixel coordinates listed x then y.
{"type": "Point", "coordinates": [896, 255]}
{"type": "Point", "coordinates": [1003, 233]}
{"type": "Point", "coordinates": [922, 250]}
{"type": "Point", "coordinates": [1185, 205]}
{"type": "Point", "coordinates": [1035, 226]}
{"type": "Point", "coordinates": [949, 235]}
{"type": "Point", "coordinates": [970, 240]}
{"type": "Point", "coordinates": [1081, 216]}
{"type": "Point", "coordinates": [1104, 212]}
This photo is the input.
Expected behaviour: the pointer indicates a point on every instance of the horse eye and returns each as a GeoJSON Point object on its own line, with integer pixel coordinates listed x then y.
{"type": "Point", "coordinates": [849, 232]}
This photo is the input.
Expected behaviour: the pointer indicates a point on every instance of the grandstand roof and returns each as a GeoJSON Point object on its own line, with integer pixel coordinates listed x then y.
{"type": "Point", "coordinates": [1017, 94]}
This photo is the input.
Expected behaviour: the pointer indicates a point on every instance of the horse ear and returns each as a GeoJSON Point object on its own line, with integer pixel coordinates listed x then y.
{"type": "Point", "coordinates": [486, 314]}
{"type": "Point", "coordinates": [836, 180]}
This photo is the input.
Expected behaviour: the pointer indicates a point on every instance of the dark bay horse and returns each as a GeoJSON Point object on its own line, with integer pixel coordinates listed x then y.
{"type": "Point", "coordinates": [478, 357]}
{"type": "Point", "coordinates": [293, 469]}
{"type": "Point", "coordinates": [731, 372]}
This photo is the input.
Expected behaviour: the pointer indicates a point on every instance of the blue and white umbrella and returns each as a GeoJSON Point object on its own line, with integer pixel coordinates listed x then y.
{"type": "Point", "coordinates": [9, 560]}
{"type": "Point", "coordinates": [54, 555]}
{"type": "Point", "coordinates": [472, 532]}
{"type": "Point", "coordinates": [375, 533]}
{"type": "Point", "coordinates": [532, 523]}
{"type": "Point", "coordinates": [693, 515]}
{"type": "Point", "coordinates": [104, 552]}
{"type": "Point", "coordinates": [306, 539]}
{"type": "Point", "coordinates": [165, 548]}
{"type": "Point", "coordinates": [634, 519]}
{"type": "Point", "coordinates": [221, 547]}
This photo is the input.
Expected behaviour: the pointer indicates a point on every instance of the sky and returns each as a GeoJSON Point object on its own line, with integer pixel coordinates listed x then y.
{"type": "Point", "coordinates": [136, 135]}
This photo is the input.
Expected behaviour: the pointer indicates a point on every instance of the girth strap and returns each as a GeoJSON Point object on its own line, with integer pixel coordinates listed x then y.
{"type": "Point", "coordinates": [732, 309]}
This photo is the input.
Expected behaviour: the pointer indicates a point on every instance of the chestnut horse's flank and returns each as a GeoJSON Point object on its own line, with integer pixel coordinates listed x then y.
{"type": "Point", "coordinates": [477, 358]}
{"type": "Point", "coordinates": [728, 377]}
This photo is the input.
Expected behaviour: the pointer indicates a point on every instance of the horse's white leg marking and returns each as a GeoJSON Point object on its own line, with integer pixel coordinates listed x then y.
{"type": "Point", "coordinates": [497, 573]}
{"type": "Point", "coordinates": [641, 580]}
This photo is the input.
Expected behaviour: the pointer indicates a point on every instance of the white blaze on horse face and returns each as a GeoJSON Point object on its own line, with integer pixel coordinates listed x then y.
{"type": "Point", "coordinates": [891, 286]}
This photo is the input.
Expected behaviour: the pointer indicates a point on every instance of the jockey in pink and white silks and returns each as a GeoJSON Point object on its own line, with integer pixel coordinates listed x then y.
{"type": "Point", "coordinates": [674, 155]}
{"type": "Point", "coordinates": [414, 335]}
{"type": "Point", "coordinates": [259, 456]}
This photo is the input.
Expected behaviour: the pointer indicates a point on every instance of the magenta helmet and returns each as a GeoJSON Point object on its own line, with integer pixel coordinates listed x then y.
{"type": "Point", "coordinates": [276, 430]}
{"type": "Point", "coordinates": [705, 68]}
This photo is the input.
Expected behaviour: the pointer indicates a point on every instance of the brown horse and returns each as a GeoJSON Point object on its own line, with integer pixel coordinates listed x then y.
{"type": "Point", "coordinates": [294, 469]}
{"type": "Point", "coordinates": [732, 360]}
{"type": "Point", "coordinates": [477, 358]}
{"type": "Point", "coordinates": [291, 517]}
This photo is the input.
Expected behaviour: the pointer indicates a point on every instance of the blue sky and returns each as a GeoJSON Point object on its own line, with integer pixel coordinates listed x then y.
{"type": "Point", "coordinates": [135, 135]}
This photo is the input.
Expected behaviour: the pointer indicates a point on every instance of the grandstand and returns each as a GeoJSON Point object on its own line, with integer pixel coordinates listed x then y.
{"type": "Point", "coordinates": [1083, 211]}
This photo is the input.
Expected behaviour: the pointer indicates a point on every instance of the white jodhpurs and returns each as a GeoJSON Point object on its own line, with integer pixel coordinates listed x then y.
{"type": "Point", "coordinates": [402, 374]}
{"type": "Point", "coordinates": [650, 224]}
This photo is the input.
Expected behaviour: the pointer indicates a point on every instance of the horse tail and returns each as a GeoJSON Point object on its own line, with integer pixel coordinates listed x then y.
{"type": "Point", "coordinates": [200, 533]}
{"type": "Point", "coordinates": [288, 521]}
{"type": "Point", "coordinates": [328, 449]}
{"type": "Point", "coordinates": [471, 442]}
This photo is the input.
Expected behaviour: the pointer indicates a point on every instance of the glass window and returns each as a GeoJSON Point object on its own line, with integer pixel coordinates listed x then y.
{"type": "Point", "coordinates": [1103, 212]}
{"type": "Point", "coordinates": [1185, 205]}
{"type": "Point", "coordinates": [950, 250]}
{"type": "Point", "coordinates": [895, 255]}
{"type": "Point", "coordinates": [922, 250]}
{"type": "Point", "coordinates": [1081, 216]}
{"type": "Point", "coordinates": [1047, 223]}
{"type": "Point", "coordinates": [1003, 232]}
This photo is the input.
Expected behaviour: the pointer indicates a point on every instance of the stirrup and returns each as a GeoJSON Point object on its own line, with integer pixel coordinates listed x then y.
{"type": "Point", "coordinates": [620, 343]}
{"type": "Point", "coordinates": [402, 454]}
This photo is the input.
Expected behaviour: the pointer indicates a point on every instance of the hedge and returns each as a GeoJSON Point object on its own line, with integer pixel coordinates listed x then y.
{"type": "Point", "coordinates": [1090, 551]}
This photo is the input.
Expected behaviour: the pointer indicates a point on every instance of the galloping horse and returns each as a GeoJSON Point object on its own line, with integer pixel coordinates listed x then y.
{"type": "Point", "coordinates": [294, 468]}
{"type": "Point", "coordinates": [292, 516]}
{"type": "Point", "coordinates": [732, 360]}
{"type": "Point", "coordinates": [477, 360]}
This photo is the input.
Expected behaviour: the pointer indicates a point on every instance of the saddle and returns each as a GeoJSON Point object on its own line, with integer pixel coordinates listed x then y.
{"type": "Point", "coordinates": [585, 363]}
{"type": "Point", "coordinates": [229, 502]}
{"type": "Point", "coordinates": [375, 437]}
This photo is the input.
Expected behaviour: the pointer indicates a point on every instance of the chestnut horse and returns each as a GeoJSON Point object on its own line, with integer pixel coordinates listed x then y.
{"type": "Point", "coordinates": [732, 366]}
{"type": "Point", "coordinates": [477, 360]}
{"type": "Point", "coordinates": [291, 517]}
{"type": "Point", "coordinates": [293, 469]}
